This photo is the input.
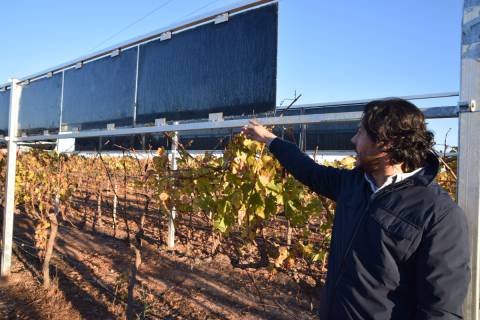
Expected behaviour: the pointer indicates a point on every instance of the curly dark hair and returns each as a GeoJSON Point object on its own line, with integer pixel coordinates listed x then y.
{"type": "Point", "coordinates": [399, 127]}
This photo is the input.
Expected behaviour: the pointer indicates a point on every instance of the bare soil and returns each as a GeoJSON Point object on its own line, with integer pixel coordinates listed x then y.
{"type": "Point", "coordinates": [196, 280]}
{"type": "Point", "coordinates": [23, 297]}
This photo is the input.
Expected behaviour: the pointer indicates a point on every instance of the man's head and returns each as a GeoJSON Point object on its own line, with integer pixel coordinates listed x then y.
{"type": "Point", "coordinates": [391, 132]}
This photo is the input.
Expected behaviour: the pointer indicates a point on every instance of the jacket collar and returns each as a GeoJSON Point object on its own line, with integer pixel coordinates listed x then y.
{"type": "Point", "coordinates": [390, 180]}
{"type": "Point", "coordinates": [429, 172]}
{"type": "Point", "coordinates": [420, 176]}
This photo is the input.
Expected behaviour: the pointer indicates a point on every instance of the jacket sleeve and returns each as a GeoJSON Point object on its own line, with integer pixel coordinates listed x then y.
{"type": "Point", "coordinates": [443, 268]}
{"type": "Point", "coordinates": [324, 180]}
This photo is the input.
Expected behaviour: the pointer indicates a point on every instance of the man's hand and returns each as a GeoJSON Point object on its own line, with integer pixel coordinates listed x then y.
{"type": "Point", "coordinates": [258, 132]}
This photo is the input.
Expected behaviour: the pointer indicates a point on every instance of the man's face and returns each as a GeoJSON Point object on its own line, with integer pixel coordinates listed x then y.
{"type": "Point", "coordinates": [369, 155]}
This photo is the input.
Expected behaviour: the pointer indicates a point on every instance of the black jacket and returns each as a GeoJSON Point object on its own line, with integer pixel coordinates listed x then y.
{"type": "Point", "coordinates": [401, 253]}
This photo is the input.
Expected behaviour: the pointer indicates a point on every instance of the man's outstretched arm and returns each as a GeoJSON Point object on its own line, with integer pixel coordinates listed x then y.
{"type": "Point", "coordinates": [321, 179]}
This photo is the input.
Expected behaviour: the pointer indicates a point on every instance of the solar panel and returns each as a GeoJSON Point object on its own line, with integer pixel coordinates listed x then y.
{"type": "Point", "coordinates": [40, 105]}
{"type": "Point", "coordinates": [228, 67]}
{"type": "Point", "coordinates": [101, 92]}
{"type": "Point", "coordinates": [4, 107]}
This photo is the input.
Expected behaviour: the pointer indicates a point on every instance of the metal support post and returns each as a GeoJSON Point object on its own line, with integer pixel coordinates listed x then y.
{"type": "Point", "coordinates": [9, 209]}
{"type": "Point", "coordinates": [302, 143]}
{"type": "Point", "coordinates": [173, 213]}
{"type": "Point", "coordinates": [469, 200]}
{"type": "Point", "coordinates": [469, 147]}
{"type": "Point", "coordinates": [302, 140]}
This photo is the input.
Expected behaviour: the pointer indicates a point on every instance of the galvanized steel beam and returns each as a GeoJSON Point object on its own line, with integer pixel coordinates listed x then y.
{"type": "Point", "coordinates": [430, 113]}
{"type": "Point", "coordinates": [469, 146]}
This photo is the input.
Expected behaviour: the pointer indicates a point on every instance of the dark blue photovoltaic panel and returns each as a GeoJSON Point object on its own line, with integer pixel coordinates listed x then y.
{"type": "Point", "coordinates": [331, 136]}
{"type": "Point", "coordinates": [4, 108]}
{"type": "Point", "coordinates": [322, 136]}
{"type": "Point", "coordinates": [228, 67]}
{"type": "Point", "coordinates": [87, 144]}
{"type": "Point", "coordinates": [101, 92]}
{"type": "Point", "coordinates": [119, 143]}
{"type": "Point", "coordinates": [207, 139]}
{"type": "Point", "coordinates": [40, 105]}
{"type": "Point", "coordinates": [334, 136]}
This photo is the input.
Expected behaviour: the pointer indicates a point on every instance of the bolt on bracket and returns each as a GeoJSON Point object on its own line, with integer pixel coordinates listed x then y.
{"type": "Point", "coordinates": [467, 106]}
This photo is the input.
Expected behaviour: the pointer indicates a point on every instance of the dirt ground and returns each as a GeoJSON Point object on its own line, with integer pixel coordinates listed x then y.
{"type": "Point", "coordinates": [22, 297]}
{"type": "Point", "coordinates": [91, 271]}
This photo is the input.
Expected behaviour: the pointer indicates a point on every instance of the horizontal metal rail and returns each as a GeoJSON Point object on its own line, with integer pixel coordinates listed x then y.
{"type": "Point", "coordinates": [237, 123]}
{"type": "Point", "coordinates": [430, 113]}
{"type": "Point", "coordinates": [425, 96]}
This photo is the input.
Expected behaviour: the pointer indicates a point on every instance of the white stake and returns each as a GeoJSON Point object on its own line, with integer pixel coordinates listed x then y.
{"type": "Point", "coordinates": [171, 217]}
{"type": "Point", "coordinates": [9, 209]}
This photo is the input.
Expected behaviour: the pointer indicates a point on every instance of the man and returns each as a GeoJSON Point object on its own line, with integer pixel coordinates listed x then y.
{"type": "Point", "coordinates": [399, 248]}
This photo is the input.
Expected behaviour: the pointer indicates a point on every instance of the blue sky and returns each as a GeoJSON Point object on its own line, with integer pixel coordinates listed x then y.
{"type": "Point", "coordinates": [328, 50]}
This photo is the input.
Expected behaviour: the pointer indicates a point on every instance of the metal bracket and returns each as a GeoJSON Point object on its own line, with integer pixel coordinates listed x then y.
{"type": "Point", "coordinates": [221, 18]}
{"type": "Point", "coordinates": [26, 82]}
{"type": "Point", "coordinates": [165, 36]}
{"type": "Point", "coordinates": [78, 65]}
{"type": "Point", "coordinates": [215, 117]}
{"type": "Point", "coordinates": [110, 126]}
{"type": "Point", "coordinates": [467, 106]}
{"type": "Point", "coordinates": [115, 53]}
{"type": "Point", "coordinates": [160, 122]}
{"type": "Point", "coordinates": [65, 128]}
{"type": "Point", "coordinates": [49, 74]}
